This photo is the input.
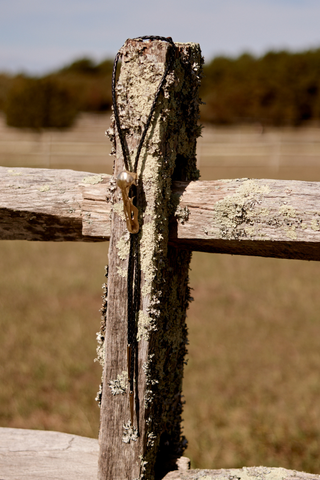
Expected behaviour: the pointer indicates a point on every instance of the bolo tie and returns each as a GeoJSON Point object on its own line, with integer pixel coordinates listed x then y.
{"type": "Point", "coordinates": [127, 181]}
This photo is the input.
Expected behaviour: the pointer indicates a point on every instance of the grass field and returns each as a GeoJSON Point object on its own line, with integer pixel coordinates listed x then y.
{"type": "Point", "coordinates": [252, 381]}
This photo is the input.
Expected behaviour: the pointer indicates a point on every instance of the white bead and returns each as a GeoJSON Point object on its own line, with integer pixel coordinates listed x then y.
{"type": "Point", "coordinates": [125, 179]}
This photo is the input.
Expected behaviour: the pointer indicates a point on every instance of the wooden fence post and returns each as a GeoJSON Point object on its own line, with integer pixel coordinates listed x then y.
{"type": "Point", "coordinates": [168, 153]}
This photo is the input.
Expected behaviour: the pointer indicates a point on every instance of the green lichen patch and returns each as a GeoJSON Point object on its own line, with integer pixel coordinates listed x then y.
{"type": "Point", "coordinates": [118, 208]}
{"type": "Point", "coordinates": [122, 272]}
{"type": "Point", "coordinates": [291, 232]}
{"type": "Point", "coordinates": [262, 212]}
{"type": "Point", "coordinates": [250, 231]}
{"type": "Point", "coordinates": [253, 212]}
{"type": "Point", "coordinates": [14, 173]}
{"type": "Point", "coordinates": [168, 153]}
{"type": "Point", "coordinates": [44, 188]}
{"type": "Point", "coordinates": [101, 335]}
{"type": "Point", "coordinates": [145, 326]}
{"type": "Point", "coordinates": [93, 179]}
{"type": "Point", "coordinates": [123, 246]}
{"type": "Point", "coordinates": [148, 235]}
{"type": "Point", "coordinates": [234, 213]}
{"type": "Point", "coordinates": [287, 211]}
{"type": "Point", "coordinates": [315, 225]}
{"type": "Point", "coordinates": [165, 271]}
{"type": "Point", "coordinates": [247, 473]}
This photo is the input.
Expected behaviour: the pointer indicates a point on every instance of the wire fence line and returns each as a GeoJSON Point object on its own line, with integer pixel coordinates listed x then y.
{"type": "Point", "coordinates": [222, 151]}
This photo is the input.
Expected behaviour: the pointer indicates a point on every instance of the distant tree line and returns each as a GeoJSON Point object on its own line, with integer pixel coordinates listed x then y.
{"type": "Point", "coordinates": [55, 100]}
{"type": "Point", "coordinates": [279, 88]}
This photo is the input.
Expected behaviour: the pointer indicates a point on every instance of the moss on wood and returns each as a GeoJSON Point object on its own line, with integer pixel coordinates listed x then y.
{"type": "Point", "coordinates": [169, 152]}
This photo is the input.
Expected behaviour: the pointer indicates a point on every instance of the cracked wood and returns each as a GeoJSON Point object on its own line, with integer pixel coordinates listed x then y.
{"type": "Point", "coordinates": [276, 218]}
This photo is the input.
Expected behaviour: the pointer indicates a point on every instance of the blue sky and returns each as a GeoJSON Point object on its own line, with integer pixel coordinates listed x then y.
{"type": "Point", "coordinates": [37, 36]}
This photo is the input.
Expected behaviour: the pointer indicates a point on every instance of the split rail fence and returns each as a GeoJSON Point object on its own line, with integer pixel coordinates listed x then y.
{"type": "Point", "coordinates": [178, 214]}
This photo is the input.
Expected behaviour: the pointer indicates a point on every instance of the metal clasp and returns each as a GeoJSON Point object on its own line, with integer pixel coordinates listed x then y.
{"type": "Point", "coordinates": [124, 181]}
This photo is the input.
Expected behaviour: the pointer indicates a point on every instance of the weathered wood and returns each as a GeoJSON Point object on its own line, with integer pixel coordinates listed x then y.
{"type": "Point", "coordinates": [44, 204]}
{"type": "Point", "coordinates": [126, 452]}
{"type": "Point", "coordinates": [47, 455]}
{"type": "Point", "coordinates": [270, 218]}
{"type": "Point", "coordinates": [41, 455]}
{"type": "Point", "coordinates": [245, 473]}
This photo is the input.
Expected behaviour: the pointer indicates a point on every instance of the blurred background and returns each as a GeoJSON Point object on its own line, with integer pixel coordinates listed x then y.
{"type": "Point", "coordinates": [252, 381]}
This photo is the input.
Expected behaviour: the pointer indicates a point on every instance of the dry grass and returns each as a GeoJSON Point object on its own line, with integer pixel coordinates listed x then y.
{"type": "Point", "coordinates": [252, 382]}
{"type": "Point", "coordinates": [50, 297]}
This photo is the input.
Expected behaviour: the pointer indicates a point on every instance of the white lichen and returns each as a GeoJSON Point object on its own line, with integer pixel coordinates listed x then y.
{"type": "Point", "coordinates": [250, 231]}
{"type": "Point", "coordinates": [236, 209]}
{"type": "Point", "coordinates": [291, 232]}
{"type": "Point", "coordinates": [172, 132]}
{"type": "Point", "coordinates": [130, 433]}
{"type": "Point", "coordinates": [145, 326]}
{"type": "Point", "coordinates": [119, 385]}
{"type": "Point", "coordinates": [118, 209]}
{"type": "Point", "coordinates": [150, 439]}
{"type": "Point", "coordinates": [44, 188]}
{"type": "Point", "coordinates": [287, 211]}
{"type": "Point", "coordinates": [146, 253]}
{"type": "Point", "coordinates": [315, 225]}
{"type": "Point", "coordinates": [122, 272]}
{"type": "Point", "coordinates": [14, 173]}
{"type": "Point", "coordinates": [100, 348]}
{"type": "Point", "coordinates": [123, 246]}
{"type": "Point", "coordinates": [93, 179]}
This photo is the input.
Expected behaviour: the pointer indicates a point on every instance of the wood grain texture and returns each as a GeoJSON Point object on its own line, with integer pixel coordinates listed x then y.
{"type": "Point", "coordinates": [44, 204]}
{"type": "Point", "coordinates": [139, 451]}
{"type": "Point", "coordinates": [39, 455]}
{"type": "Point", "coordinates": [245, 473]}
{"type": "Point", "coordinates": [270, 218]}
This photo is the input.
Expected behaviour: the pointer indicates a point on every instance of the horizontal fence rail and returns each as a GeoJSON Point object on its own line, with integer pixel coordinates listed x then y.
{"type": "Point", "coordinates": [276, 218]}
{"type": "Point", "coordinates": [57, 456]}
{"type": "Point", "coordinates": [142, 358]}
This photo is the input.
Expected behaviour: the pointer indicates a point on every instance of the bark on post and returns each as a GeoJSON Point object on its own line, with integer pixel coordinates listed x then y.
{"type": "Point", "coordinates": [168, 153]}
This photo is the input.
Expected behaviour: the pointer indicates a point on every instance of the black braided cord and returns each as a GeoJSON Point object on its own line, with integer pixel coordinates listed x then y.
{"type": "Point", "coordinates": [126, 156]}
{"type": "Point", "coordinates": [134, 272]}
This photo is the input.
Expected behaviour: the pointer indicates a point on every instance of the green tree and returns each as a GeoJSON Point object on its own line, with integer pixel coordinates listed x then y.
{"type": "Point", "coordinates": [39, 103]}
